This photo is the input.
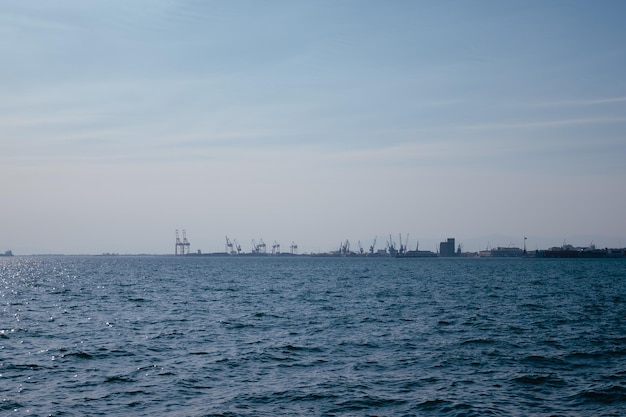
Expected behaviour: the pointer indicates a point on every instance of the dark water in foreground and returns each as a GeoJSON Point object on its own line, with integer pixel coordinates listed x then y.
{"type": "Point", "coordinates": [144, 336]}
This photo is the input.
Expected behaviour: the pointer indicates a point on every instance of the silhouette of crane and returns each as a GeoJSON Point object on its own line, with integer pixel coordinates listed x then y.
{"type": "Point", "coordinates": [275, 248]}
{"type": "Point", "coordinates": [183, 246]}
{"type": "Point", "coordinates": [373, 246]}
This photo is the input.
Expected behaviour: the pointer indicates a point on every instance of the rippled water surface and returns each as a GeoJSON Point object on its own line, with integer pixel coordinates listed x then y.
{"type": "Point", "coordinates": [196, 336]}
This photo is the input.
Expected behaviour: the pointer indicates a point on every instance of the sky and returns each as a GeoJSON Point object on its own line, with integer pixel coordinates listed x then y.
{"type": "Point", "coordinates": [311, 122]}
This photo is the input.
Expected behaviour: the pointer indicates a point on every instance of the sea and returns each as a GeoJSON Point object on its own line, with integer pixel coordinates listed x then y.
{"type": "Point", "coordinates": [311, 336]}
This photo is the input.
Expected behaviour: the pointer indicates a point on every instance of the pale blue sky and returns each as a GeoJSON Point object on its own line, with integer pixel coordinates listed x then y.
{"type": "Point", "coordinates": [312, 122]}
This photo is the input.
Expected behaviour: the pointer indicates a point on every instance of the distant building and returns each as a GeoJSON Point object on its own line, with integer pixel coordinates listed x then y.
{"type": "Point", "coordinates": [447, 248]}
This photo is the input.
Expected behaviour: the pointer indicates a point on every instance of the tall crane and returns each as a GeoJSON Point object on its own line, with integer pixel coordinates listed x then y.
{"type": "Point", "coordinates": [260, 247]}
{"type": "Point", "coordinates": [229, 246]}
{"type": "Point", "coordinates": [181, 246]}
{"type": "Point", "coordinates": [294, 248]}
{"type": "Point", "coordinates": [344, 248]}
{"type": "Point", "coordinates": [186, 244]}
{"type": "Point", "coordinates": [373, 246]}
{"type": "Point", "coordinates": [391, 247]}
{"type": "Point", "coordinates": [404, 246]}
{"type": "Point", "coordinates": [275, 248]}
{"type": "Point", "coordinates": [237, 246]}
{"type": "Point", "coordinates": [178, 243]}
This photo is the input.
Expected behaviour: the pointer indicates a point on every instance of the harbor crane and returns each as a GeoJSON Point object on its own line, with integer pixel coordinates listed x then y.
{"type": "Point", "coordinates": [294, 248]}
{"type": "Point", "coordinates": [229, 246]}
{"type": "Point", "coordinates": [178, 243]}
{"type": "Point", "coordinates": [344, 248]}
{"type": "Point", "coordinates": [404, 247]}
{"type": "Point", "coordinates": [373, 246]}
{"type": "Point", "coordinates": [258, 247]}
{"type": "Point", "coordinates": [275, 248]}
{"type": "Point", "coordinates": [183, 246]}
{"type": "Point", "coordinates": [237, 246]}
{"type": "Point", "coordinates": [391, 247]}
{"type": "Point", "coordinates": [186, 244]}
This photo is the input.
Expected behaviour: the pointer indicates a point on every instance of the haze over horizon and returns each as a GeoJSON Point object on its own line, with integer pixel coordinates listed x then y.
{"type": "Point", "coordinates": [312, 122]}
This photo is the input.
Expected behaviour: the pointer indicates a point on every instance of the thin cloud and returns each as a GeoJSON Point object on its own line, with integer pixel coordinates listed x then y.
{"type": "Point", "coordinates": [545, 124]}
{"type": "Point", "coordinates": [15, 21]}
{"type": "Point", "coordinates": [583, 102]}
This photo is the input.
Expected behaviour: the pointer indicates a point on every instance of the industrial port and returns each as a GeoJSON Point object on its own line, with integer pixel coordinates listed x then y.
{"type": "Point", "coordinates": [386, 248]}
{"type": "Point", "coordinates": [391, 248]}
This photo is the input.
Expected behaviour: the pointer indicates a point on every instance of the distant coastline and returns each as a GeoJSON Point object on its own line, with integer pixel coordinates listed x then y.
{"type": "Point", "coordinates": [446, 249]}
{"type": "Point", "coordinates": [392, 249]}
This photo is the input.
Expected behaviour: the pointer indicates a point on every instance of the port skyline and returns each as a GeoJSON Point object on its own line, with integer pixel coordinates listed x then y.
{"type": "Point", "coordinates": [197, 242]}
{"type": "Point", "coordinates": [389, 246]}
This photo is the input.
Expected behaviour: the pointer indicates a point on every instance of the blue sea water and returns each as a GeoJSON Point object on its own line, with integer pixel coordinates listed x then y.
{"type": "Point", "coordinates": [201, 336]}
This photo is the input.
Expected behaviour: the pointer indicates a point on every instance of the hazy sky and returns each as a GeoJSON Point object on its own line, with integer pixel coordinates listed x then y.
{"type": "Point", "coordinates": [310, 121]}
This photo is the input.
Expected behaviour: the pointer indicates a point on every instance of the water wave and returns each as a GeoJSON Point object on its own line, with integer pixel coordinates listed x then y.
{"type": "Point", "coordinates": [151, 336]}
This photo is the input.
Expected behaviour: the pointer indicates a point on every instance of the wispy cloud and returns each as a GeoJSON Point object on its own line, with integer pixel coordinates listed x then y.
{"type": "Point", "coordinates": [545, 123]}
{"type": "Point", "coordinates": [582, 102]}
{"type": "Point", "coordinates": [16, 20]}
